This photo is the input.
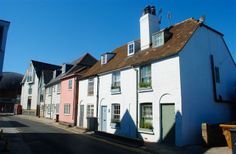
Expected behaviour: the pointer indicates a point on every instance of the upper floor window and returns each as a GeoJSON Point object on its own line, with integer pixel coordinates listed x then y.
{"type": "Point", "coordinates": [145, 76]}
{"type": "Point", "coordinates": [30, 74]}
{"type": "Point", "coordinates": [104, 59]}
{"type": "Point", "coordinates": [131, 48]}
{"type": "Point", "coordinates": [217, 74]}
{"type": "Point", "coordinates": [70, 84]}
{"type": "Point", "coordinates": [90, 110]}
{"type": "Point", "coordinates": [30, 89]}
{"type": "Point", "coordinates": [41, 98]}
{"type": "Point", "coordinates": [115, 113]}
{"type": "Point", "coordinates": [90, 86]}
{"type": "Point", "coordinates": [158, 39]}
{"type": "Point", "coordinates": [58, 87]}
{"type": "Point", "coordinates": [49, 90]}
{"type": "Point", "coordinates": [146, 116]}
{"type": "Point", "coordinates": [115, 85]}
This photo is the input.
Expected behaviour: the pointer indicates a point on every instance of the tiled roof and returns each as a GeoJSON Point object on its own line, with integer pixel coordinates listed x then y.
{"type": "Point", "coordinates": [41, 66]}
{"type": "Point", "coordinates": [181, 33]}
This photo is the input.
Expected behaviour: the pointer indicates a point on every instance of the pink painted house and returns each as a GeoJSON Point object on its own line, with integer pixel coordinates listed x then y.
{"type": "Point", "coordinates": [69, 89]}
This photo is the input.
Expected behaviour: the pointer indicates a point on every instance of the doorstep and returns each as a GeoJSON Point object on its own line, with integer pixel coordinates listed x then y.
{"type": "Point", "coordinates": [133, 142]}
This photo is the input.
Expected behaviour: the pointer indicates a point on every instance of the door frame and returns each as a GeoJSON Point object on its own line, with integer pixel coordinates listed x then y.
{"type": "Point", "coordinates": [101, 119]}
{"type": "Point", "coordinates": [160, 111]}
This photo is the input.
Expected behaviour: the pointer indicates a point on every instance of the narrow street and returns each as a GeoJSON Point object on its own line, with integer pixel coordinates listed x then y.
{"type": "Point", "coordinates": [26, 136]}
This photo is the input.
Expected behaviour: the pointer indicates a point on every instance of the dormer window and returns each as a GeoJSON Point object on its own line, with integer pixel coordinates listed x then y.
{"type": "Point", "coordinates": [158, 39]}
{"type": "Point", "coordinates": [104, 59]}
{"type": "Point", "coordinates": [131, 48]}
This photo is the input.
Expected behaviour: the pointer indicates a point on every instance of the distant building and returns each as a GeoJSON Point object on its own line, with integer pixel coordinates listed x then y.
{"type": "Point", "coordinates": [36, 77]}
{"type": "Point", "coordinates": [10, 90]}
{"type": "Point", "coordinates": [4, 25]}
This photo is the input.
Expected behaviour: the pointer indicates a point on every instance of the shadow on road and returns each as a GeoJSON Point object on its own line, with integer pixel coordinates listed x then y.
{"type": "Point", "coordinates": [11, 124]}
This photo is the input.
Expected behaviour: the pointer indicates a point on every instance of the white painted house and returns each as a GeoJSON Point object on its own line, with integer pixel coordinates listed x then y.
{"type": "Point", "coordinates": [37, 75]}
{"type": "Point", "coordinates": [161, 88]}
{"type": "Point", "coordinates": [52, 95]}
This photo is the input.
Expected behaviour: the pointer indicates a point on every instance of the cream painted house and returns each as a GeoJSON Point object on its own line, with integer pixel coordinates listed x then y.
{"type": "Point", "coordinates": [162, 87]}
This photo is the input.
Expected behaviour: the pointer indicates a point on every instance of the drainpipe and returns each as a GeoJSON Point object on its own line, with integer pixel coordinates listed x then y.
{"type": "Point", "coordinates": [136, 91]}
{"type": "Point", "coordinates": [51, 102]}
{"type": "Point", "coordinates": [76, 96]}
{"type": "Point", "coordinates": [97, 102]}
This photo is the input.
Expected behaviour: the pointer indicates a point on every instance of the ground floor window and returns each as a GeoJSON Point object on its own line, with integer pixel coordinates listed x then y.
{"type": "Point", "coordinates": [146, 116]}
{"type": "Point", "coordinates": [66, 108]}
{"type": "Point", "coordinates": [115, 113]}
{"type": "Point", "coordinates": [90, 110]}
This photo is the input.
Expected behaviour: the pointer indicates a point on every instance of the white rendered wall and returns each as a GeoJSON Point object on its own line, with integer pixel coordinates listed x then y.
{"type": "Point", "coordinates": [34, 95]}
{"type": "Point", "coordinates": [52, 99]}
{"type": "Point", "coordinates": [165, 80]}
{"type": "Point", "coordinates": [197, 85]}
{"type": "Point", "coordinates": [84, 99]}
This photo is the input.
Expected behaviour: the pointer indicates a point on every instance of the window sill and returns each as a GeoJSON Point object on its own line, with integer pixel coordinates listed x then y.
{"type": "Point", "coordinates": [141, 90]}
{"type": "Point", "coordinates": [66, 114]}
{"type": "Point", "coordinates": [90, 94]}
{"type": "Point", "coordinates": [115, 91]}
{"type": "Point", "coordinates": [146, 131]}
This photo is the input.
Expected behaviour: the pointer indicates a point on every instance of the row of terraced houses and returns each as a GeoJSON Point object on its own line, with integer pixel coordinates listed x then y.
{"type": "Point", "coordinates": [159, 88]}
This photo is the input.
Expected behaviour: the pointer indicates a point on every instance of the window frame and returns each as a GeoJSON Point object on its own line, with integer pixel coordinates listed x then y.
{"type": "Point", "coordinates": [59, 88]}
{"type": "Point", "coordinates": [90, 86]}
{"type": "Point", "coordinates": [70, 83]}
{"type": "Point", "coordinates": [90, 110]}
{"type": "Point", "coordinates": [142, 126]}
{"type": "Point", "coordinates": [143, 84]}
{"type": "Point", "coordinates": [115, 81]}
{"type": "Point", "coordinates": [67, 108]}
{"type": "Point", "coordinates": [114, 115]}
{"type": "Point", "coordinates": [158, 39]}
{"type": "Point", "coordinates": [131, 44]}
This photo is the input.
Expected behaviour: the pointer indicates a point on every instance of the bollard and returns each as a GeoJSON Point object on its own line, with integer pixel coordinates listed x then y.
{"type": "Point", "coordinates": [5, 146]}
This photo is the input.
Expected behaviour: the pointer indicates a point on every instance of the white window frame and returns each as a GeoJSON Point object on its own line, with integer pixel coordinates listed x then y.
{"type": "Point", "coordinates": [90, 110]}
{"type": "Point", "coordinates": [158, 39]}
{"type": "Point", "coordinates": [91, 87]}
{"type": "Point", "coordinates": [104, 59]}
{"type": "Point", "coordinates": [144, 75]}
{"type": "Point", "coordinates": [131, 44]}
{"type": "Point", "coordinates": [66, 109]}
{"type": "Point", "coordinates": [70, 81]}
{"type": "Point", "coordinates": [115, 113]}
{"type": "Point", "coordinates": [59, 88]}
{"type": "Point", "coordinates": [115, 81]}
{"type": "Point", "coordinates": [49, 91]}
{"type": "Point", "coordinates": [30, 74]}
{"type": "Point", "coordinates": [142, 113]}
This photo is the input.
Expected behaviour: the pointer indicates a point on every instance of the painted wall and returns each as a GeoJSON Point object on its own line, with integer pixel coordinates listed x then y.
{"type": "Point", "coordinates": [165, 81]}
{"type": "Point", "coordinates": [85, 99]}
{"type": "Point", "coordinates": [67, 97]}
{"type": "Point", "coordinates": [25, 95]}
{"type": "Point", "coordinates": [197, 85]}
{"type": "Point", "coordinates": [52, 101]}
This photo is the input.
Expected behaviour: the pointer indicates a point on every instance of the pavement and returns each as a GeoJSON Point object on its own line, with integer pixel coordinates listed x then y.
{"type": "Point", "coordinates": [18, 142]}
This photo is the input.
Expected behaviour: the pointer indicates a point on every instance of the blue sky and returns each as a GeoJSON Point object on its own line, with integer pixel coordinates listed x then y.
{"type": "Point", "coordinates": [60, 31]}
